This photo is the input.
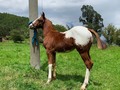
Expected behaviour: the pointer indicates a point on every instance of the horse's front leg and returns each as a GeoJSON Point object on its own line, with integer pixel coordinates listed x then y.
{"type": "Point", "coordinates": [54, 67]}
{"type": "Point", "coordinates": [51, 70]}
{"type": "Point", "coordinates": [49, 73]}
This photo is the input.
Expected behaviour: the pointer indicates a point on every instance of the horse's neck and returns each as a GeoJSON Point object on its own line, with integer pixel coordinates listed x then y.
{"type": "Point", "coordinates": [47, 29]}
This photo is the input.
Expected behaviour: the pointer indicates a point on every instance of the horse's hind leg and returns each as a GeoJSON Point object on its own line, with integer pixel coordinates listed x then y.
{"type": "Point", "coordinates": [86, 58]}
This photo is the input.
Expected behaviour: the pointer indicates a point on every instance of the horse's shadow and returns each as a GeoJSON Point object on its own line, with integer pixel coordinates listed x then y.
{"type": "Point", "coordinates": [76, 78]}
{"type": "Point", "coordinates": [67, 77]}
{"type": "Point", "coordinates": [63, 77]}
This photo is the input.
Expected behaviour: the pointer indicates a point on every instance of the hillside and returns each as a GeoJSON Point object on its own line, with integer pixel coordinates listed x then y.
{"type": "Point", "coordinates": [9, 22]}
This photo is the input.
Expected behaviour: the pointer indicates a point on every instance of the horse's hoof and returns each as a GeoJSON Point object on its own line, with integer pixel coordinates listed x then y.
{"type": "Point", "coordinates": [48, 81]}
{"type": "Point", "coordinates": [54, 78]}
{"type": "Point", "coordinates": [83, 87]}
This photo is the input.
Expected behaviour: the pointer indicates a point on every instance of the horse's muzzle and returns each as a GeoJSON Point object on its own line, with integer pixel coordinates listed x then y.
{"type": "Point", "coordinates": [31, 26]}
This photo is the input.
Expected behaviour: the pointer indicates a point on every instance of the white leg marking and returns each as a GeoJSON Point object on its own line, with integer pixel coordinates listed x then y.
{"type": "Point", "coordinates": [49, 73]}
{"type": "Point", "coordinates": [83, 87]}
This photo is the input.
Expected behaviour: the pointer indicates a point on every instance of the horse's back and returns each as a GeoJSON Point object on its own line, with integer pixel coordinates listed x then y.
{"type": "Point", "coordinates": [81, 35]}
{"type": "Point", "coordinates": [81, 31]}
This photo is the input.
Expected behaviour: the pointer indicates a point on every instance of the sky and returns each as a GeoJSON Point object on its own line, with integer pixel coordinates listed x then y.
{"type": "Point", "coordinates": [66, 11]}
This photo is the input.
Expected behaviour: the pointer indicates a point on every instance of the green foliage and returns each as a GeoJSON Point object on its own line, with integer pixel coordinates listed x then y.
{"type": "Point", "coordinates": [109, 33]}
{"type": "Point", "coordinates": [16, 36]}
{"type": "Point", "coordinates": [60, 28]}
{"type": "Point", "coordinates": [112, 34]}
{"type": "Point", "coordinates": [117, 37]}
{"type": "Point", "coordinates": [9, 22]}
{"type": "Point", "coordinates": [90, 18]}
{"type": "Point", "coordinates": [17, 74]}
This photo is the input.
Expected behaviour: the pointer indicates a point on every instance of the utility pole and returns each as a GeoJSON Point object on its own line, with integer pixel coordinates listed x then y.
{"type": "Point", "coordinates": [34, 50]}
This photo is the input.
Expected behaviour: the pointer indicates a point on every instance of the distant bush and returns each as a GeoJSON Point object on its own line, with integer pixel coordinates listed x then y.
{"type": "Point", "coordinates": [17, 36]}
{"type": "Point", "coordinates": [60, 28]}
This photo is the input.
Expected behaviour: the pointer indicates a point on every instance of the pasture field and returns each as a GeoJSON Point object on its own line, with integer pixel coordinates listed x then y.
{"type": "Point", "coordinates": [16, 73]}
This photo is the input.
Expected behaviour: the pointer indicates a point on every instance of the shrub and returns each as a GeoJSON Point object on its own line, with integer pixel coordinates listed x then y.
{"type": "Point", "coordinates": [117, 37]}
{"type": "Point", "coordinates": [16, 36]}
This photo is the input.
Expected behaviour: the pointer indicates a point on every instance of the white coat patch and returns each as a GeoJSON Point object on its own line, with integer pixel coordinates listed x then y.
{"type": "Point", "coordinates": [81, 35]}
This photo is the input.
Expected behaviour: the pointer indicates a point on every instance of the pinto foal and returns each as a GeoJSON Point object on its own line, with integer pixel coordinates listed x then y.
{"type": "Point", "coordinates": [79, 38]}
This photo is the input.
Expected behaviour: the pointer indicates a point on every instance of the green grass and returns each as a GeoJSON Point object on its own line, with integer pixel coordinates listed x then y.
{"type": "Point", "coordinates": [16, 73]}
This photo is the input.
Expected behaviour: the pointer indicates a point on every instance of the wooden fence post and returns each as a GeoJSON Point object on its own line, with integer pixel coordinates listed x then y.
{"type": "Point", "coordinates": [34, 50]}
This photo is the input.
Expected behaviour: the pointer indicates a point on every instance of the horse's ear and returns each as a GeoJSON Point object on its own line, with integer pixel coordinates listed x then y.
{"type": "Point", "coordinates": [43, 15]}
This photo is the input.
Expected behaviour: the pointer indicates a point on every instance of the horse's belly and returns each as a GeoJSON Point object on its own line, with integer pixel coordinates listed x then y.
{"type": "Point", "coordinates": [64, 49]}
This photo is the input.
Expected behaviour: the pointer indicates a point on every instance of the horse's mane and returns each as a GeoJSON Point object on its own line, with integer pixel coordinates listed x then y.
{"type": "Point", "coordinates": [50, 25]}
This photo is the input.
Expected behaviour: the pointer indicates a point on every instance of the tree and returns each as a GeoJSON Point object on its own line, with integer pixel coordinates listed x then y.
{"type": "Point", "coordinates": [110, 34]}
{"type": "Point", "coordinates": [69, 25]}
{"type": "Point", "coordinates": [91, 19]}
{"type": "Point", "coordinates": [4, 30]}
{"type": "Point", "coordinates": [117, 37]}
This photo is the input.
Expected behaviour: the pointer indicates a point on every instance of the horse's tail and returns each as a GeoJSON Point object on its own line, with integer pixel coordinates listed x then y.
{"type": "Point", "coordinates": [100, 43]}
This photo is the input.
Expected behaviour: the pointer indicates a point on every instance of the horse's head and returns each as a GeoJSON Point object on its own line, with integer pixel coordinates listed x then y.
{"type": "Point", "coordinates": [38, 23]}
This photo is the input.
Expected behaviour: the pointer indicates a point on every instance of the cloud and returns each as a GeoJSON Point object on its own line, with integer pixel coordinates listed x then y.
{"type": "Point", "coordinates": [60, 3]}
{"type": "Point", "coordinates": [18, 7]}
{"type": "Point", "coordinates": [63, 11]}
{"type": "Point", "coordinates": [69, 10]}
{"type": "Point", "coordinates": [109, 11]}
{"type": "Point", "coordinates": [64, 15]}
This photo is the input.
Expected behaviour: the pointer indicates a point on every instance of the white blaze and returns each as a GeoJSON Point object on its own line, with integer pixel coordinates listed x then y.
{"type": "Point", "coordinates": [35, 20]}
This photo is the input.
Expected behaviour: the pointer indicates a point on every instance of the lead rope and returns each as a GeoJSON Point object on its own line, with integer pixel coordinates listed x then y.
{"type": "Point", "coordinates": [34, 38]}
